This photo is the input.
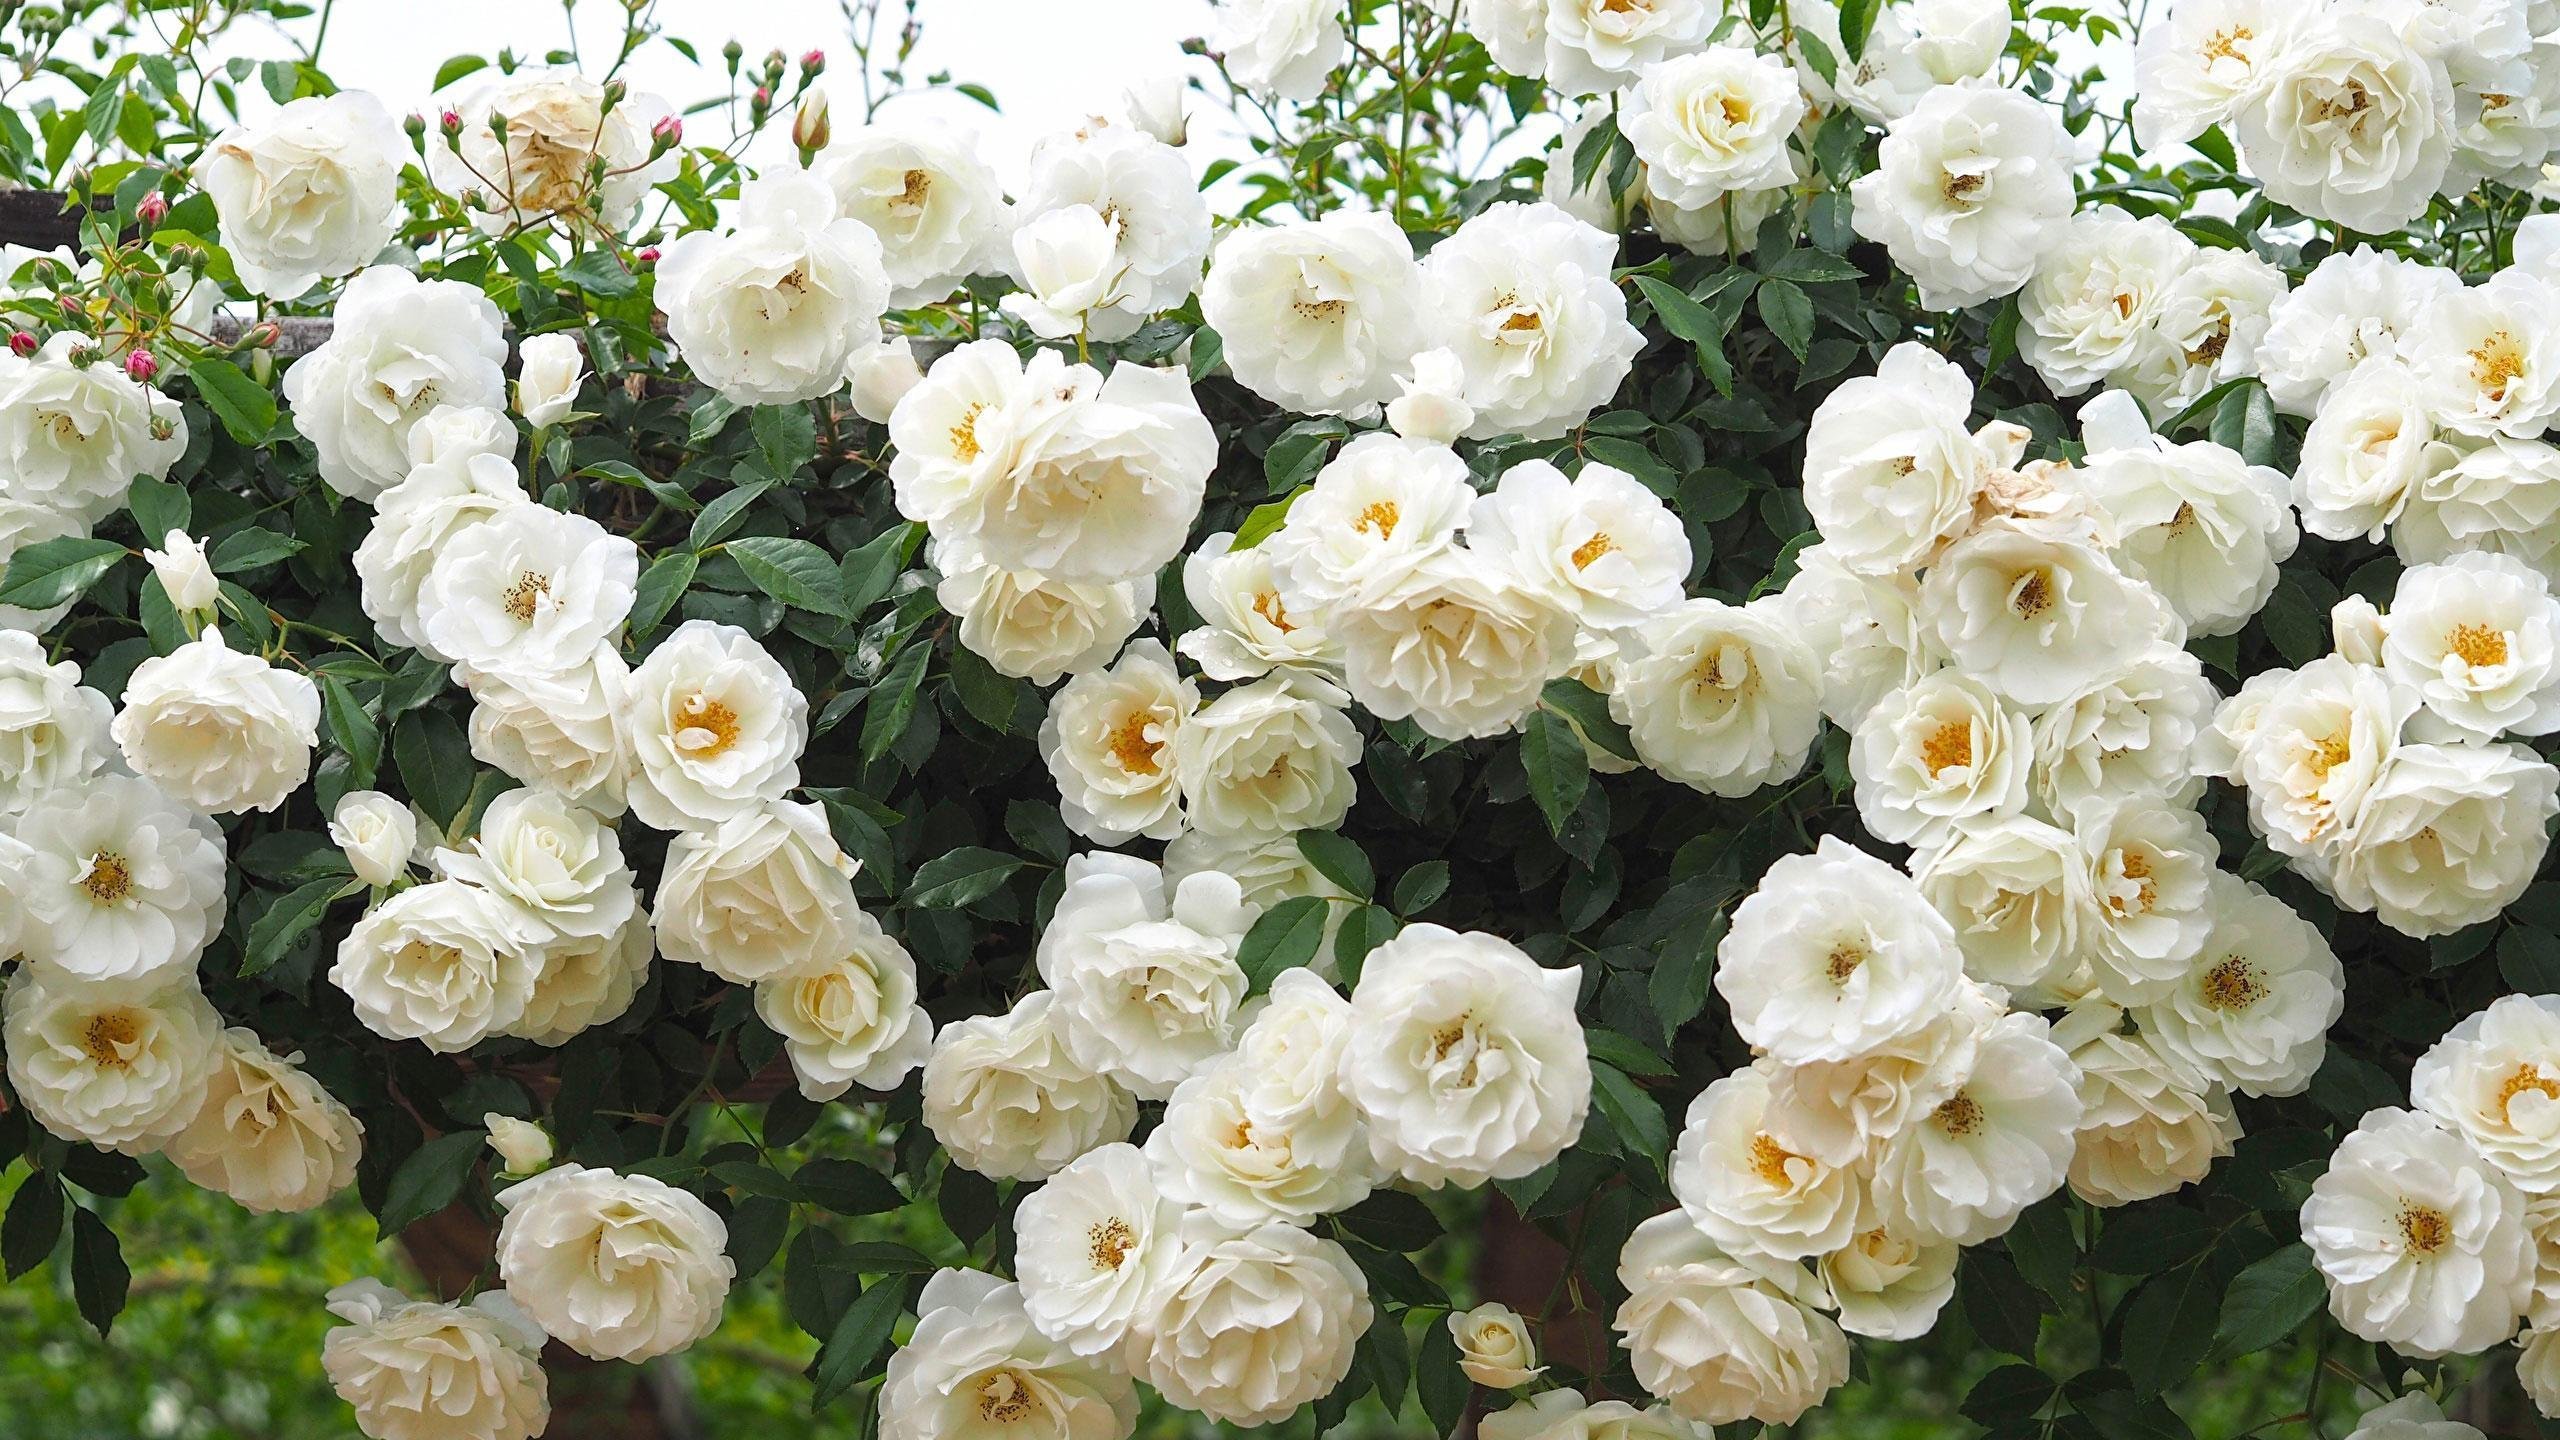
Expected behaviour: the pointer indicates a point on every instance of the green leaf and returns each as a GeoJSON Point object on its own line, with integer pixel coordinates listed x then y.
{"type": "Point", "coordinates": [1265, 520]}
{"type": "Point", "coordinates": [352, 730]}
{"type": "Point", "coordinates": [2005, 1311]}
{"type": "Point", "coordinates": [158, 507]}
{"type": "Point", "coordinates": [1588, 709]}
{"type": "Point", "coordinates": [1294, 458]}
{"type": "Point", "coordinates": [1624, 1052]}
{"type": "Point", "coordinates": [721, 518]}
{"type": "Point", "coordinates": [2269, 1302]}
{"type": "Point", "coordinates": [1338, 860]}
{"type": "Point", "coordinates": [251, 548]}
{"type": "Point", "coordinates": [285, 922]}
{"type": "Point", "coordinates": [786, 435]}
{"type": "Point", "coordinates": [2529, 959]}
{"type": "Point", "coordinates": [661, 586]}
{"type": "Point", "coordinates": [1857, 21]}
{"type": "Point", "coordinates": [2046, 1251]}
{"type": "Point", "coordinates": [600, 273]}
{"type": "Point", "coordinates": [2012, 1392]}
{"type": "Point", "coordinates": [2169, 1324]}
{"type": "Point", "coordinates": [793, 571]}
{"type": "Point", "coordinates": [99, 1279]}
{"type": "Point", "coordinates": [961, 878]}
{"type": "Point", "coordinates": [1635, 1115]}
{"type": "Point", "coordinates": [246, 409]}
{"type": "Point", "coordinates": [859, 1338]}
{"type": "Point", "coordinates": [435, 762]}
{"type": "Point", "coordinates": [1282, 938]}
{"type": "Point", "coordinates": [1559, 768]}
{"type": "Point", "coordinates": [847, 1187]}
{"type": "Point", "coordinates": [455, 68]}
{"type": "Point", "coordinates": [53, 572]}
{"type": "Point", "coordinates": [1684, 974]}
{"type": "Point", "coordinates": [1363, 930]}
{"type": "Point", "coordinates": [1422, 887]}
{"type": "Point", "coordinates": [430, 1178]}
{"type": "Point", "coordinates": [869, 572]}
{"type": "Point", "coordinates": [1789, 312]}
{"type": "Point", "coordinates": [892, 702]}
{"type": "Point", "coordinates": [34, 1224]}
{"type": "Point", "coordinates": [1442, 1386]}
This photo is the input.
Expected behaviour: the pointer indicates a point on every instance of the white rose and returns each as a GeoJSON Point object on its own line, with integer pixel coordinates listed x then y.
{"type": "Point", "coordinates": [2205, 328]}
{"type": "Point", "coordinates": [2401, 1194]}
{"type": "Point", "coordinates": [1253, 1325]}
{"type": "Point", "coordinates": [1890, 1286]}
{"type": "Point", "coordinates": [1001, 1094]}
{"type": "Point", "coordinates": [1157, 104]}
{"type": "Point", "coordinates": [2037, 612]}
{"type": "Point", "coordinates": [2016, 893]}
{"type": "Point", "coordinates": [851, 1019]}
{"type": "Point", "coordinates": [2149, 865]}
{"type": "Point", "coordinates": [1069, 266]}
{"type": "Point", "coordinates": [1160, 223]}
{"type": "Point", "coordinates": [417, 1370]}
{"type": "Point", "coordinates": [2492, 1080]}
{"type": "Point", "coordinates": [2194, 521]}
{"type": "Point", "coordinates": [1281, 49]}
{"type": "Point", "coordinates": [1600, 45]}
{"type": "Point", "coordinates": [549, 369]}
{"type": "Point", "coordinates": [1968, 192]}
{"type": "Point", "coordinates": [1220, 1149]}
{"type": "Point", "coordinates": [2308, 745]}
{"type": "Point", "coordinates": [1049, 467]}
{"type": "Point", "coordinates": [1714, 122]}
{"type": "Point", "coordinates": [1838, 1112]}
{"type": "Point", "coordinates": [1267, 758]}
{"type": "Point", "coordinates": [376, 833]}
{"type": "Point", "coordinates": [1522, 295]}
{"type": "Point", "coordinates": [1725, 698]}
{"type": "Point", "coordinates": [444, 963]}
{"type": "Point", "coordinates": [310, 191]}
{"type": "Point", "coordinates": [1317, 316]}
{"type": "Point", "coordinates": [2255, 1006]}
{"type": "Point", "coordinates": [557, 130]}
{"type": "Point", "coordinates": [2002, 1141]}
{"type": "Point", "coordinates": [2355, 305]}
{"type": "Point", "coordinates": [121, 1065]}
{"type": "Point", "coordinates": [764, 892]}
{"type": "Point", "coordinates": [554, 859]}
{"type": "Point", "coordinates": [75, 431]}
{"type": "Point", "coordinates": [1940, 752]}
{"type": "Point", "coordinates": [1431, 400]}
{"type": "Point", "coordinates": [977, 1369]}
{"type": "Point", "coordinates": [1562, 1414]}
{"type": "Point", "coordinates": [560, 731]}
{"type": "Point", "coordinates": [1466, 1057]}
{"type": "Point", "coordinates": [586, 981]}
{"type": "Point", "coordinates": [185, 576]}
{"type": "Point", "coordinates": [528, 592]}
{"type": "Point", "coordinates": [1110, 741]}
{"type": "Point", "coordinates": [881, 376]}
{"type": "Point", "coordinates": [2350, 124]}
{"type": "Point", "coordinates": [2484, 357]}
{"type": "Point", "coordinates": [1248, 629]}
{"type": "Point", "coordinates": [2095, 292]}
{"type": "Point", "coordinates": [1460, 648]}
{"type": "Point", "coordinates": [114, 881]}
{"type": "Point", "coordinates": [1601, 544]}
{"type": "Point", "coordinates": [1725, 1337]}
{"type": "Point", "coordinates": [218, 728]}
{"type": "Point", "coordinates": [1145, 974]}
{"type": "Point", "coordinates": [2150, 1122]}
{"type": "Point", "coordinates": [1096, 1247]}
{"type": "Point", "coordinates": [935, 206]}
{"type": "Point", "coordinates": [2365, 453]}
{"type": "Point", "coordinates": [267, 1135]}
{"type": "Point", "coordinates": [1747, 1190]}
{"type": "Point", "coordinates": [2133, 732]}
{"type": "Point", "coordinates": [1031, 627]}
{"type": "Point", "coordinates": [1378, 511]}
{"type": "Point", "coordinates": [1833, 953]}
{"type": "Point", "coordinates": [2537, 1369]}
{"type": "Point", "coordinates": [715, 728]}
{"type": "Point", "coordinates": [616, 1267]}
{"type": "Point", "coordinates": [774, 310]}
{"type": "Point", "coordinates": [53, 729]}
{"type": "Point", "coordinates": [1494, 1347]}
{"type": "Point", "coordinates": [2449, 836]}
{"type": "Point", "coordinates": [415, 524]}
{"type": "Point", "coordinates": [2204, 61]}
{"type": "Point", "coordinates": [2478, 637]}
{"type": "Point", "coordinates": [400, 348]}
{"type": "Point", "coordinates": [1270, 869]}
{"type": "Point", "coordinates": [2503, 497]}
{"type": "Point", "coordinates": [2411, 1417]}
{"type": "Point", "coordinates": [522, 1147]}
{"type": "Point", "coordinates": [1890, 469]}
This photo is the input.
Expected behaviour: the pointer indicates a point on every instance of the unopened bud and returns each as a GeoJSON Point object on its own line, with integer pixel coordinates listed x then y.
{"type": "Point", "coordinates": [733, 52]}
{"type": "Point", "coordinates": [813, 63]}
{"type": "Point", "coordinates": [809, 128]}
{"type": "Point", "coordinates": [761, 102]}
{"type": "Point", "coordinates": [22, 344]}
{"type": "Point", "coordinates": [263, 335]}
{"type": "Point", "coordinates": [614, 90]}
{"type": "Point", "coordinates": [668, 133]}
{"type": "Point", "coordinates": [139, 364]}
{"type": "Point", "coordinates": [645, 255]}
{"type": "Point", "coordinates": [498, 125]}
{"type": "Point", "coordinates": [71, 306]}
{"type": "Point", "coordinates": [152, 209]}
{"type": "Point", "coordinates": [450, 122]}
{"type": "Point", "coordinates": [416, 125]}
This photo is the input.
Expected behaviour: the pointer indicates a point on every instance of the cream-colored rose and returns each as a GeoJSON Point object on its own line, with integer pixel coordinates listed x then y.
{"type": "Point", "coordinates": [267, 1135]}
{"type": "Point", "coordinates": [549, 369]}
{"type": "Point", "coordinates": [445, 963]}
{"type": "Point", "coordinates": [185, 575]}
{"type": "Point", "coordinates": [119, 1065]}
{"type": "Point", "coordinates": [715, 728]}
{"type": "Point", "coordinates": [1266, 759]}
{"type": "Point", "coordinates": [1110, 739]}
{"type": "Point", "coordinates": [1494, 1347]}
{"type": "Point", "coordinates": [554, 859]}
{"type": "Point", "coordinates": [416, 1370]}
{"type": "Point", "coordinates": [218, 728]}
{"type": "Point", "coordinates": [616, 1267]}
{"type": "Point", "coordinates": [850, 1019]}
{"type": "Point", "coordinates": [400, 349]}
{"type": "Point", "coordinates": [561, 731]}
{"type": "Point", "coordinates": [763, 892]}
{"type": "Point", "coordinates": [377, 835]}
{"type": "Point", "coordinates": [1253, 1325]}
{"type": "Point", "coordinates": [1031, 627]}
{"type": "Point", "coordinates": [522, 1147]}
{"type": "Point", "coordinates": [310, 191]}
{"type": "Point", "coordinates": [558, 133]}
{"type": "Point", "coordinates": [1003, 1096]}
{"type": "Point", "coordinates": [1724, 1337]}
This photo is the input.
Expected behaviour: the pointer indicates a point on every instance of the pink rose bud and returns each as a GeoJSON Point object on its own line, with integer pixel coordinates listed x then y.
{"type": "Point", "coordinates": [648, 255]}
{"type": "Point", "coordinates": [450, 122]}
{"type": "Point", "coordinates": [763, 98]}
{"type": "Point", "coordinates": [22, 344]}
{"type": "Point", "coordinates": [669, 130]}
{"type": "Point", "coordinates": [153, 209]}
{"type": "Point", "coordinates": [140, 365]}
{"type": "Point", "coordinates": [263, 335]}
{"type": "Point", "coordinates": [813, 62]}
{"type": "Point", "coordinates": [71, 306]}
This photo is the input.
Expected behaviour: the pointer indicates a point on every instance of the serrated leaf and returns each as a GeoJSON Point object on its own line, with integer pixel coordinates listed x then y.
{"type": "Point", "coordinates": [1339, 860]}
{"type": "Point", "coordinates": [1441, 1385]}
{"type": "Point", "coordinates": [1789, 313]}
{"type": "Point", "coordinates": [435, 763]}
{"type": "Point", "coordinates": [1588, 709]}
{"type": "Point", "coordinates": [246, 409]}
{"type": "Point", "coordinates": [34, 1224]}
{"type": "Point", "coordinates": [2269, 1302]}
{"type": "Point", "coordinates": [251, 548]}
{"type": "Point", "coordinates": [1633, 1113]}
{"type": "Point", "coordinates": [1421, 887]}
{"type": "Point", "coordinates": [158, 507]}
{"type": "Point", "coordinates": [429, 1179]}
{"type": "Point", "coordinates": [961, 878]}
{"type": "Point", "coordinates": [53, 572]}
{"type": "Point", "coordinates": [861, 1334]}
{"type": "Point", "coordinates": [285, 921]}
{"type": "Point", "coordinates": [793, 571]}
{"type": "Point", "coordinates": [1559, 768]}
{"type": "Point", "coordinates": [661, 586]}
{"type": "Point", "coordinates": [99, 1279]}
{"type": "Point", "coordinates": [601, 273]}
{"type": "Point", "coordinates": [1282, 938]}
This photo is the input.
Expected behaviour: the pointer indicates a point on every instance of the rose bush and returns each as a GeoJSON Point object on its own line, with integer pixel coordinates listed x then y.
{"type": "Point", "coordinates": [1830, 571]}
